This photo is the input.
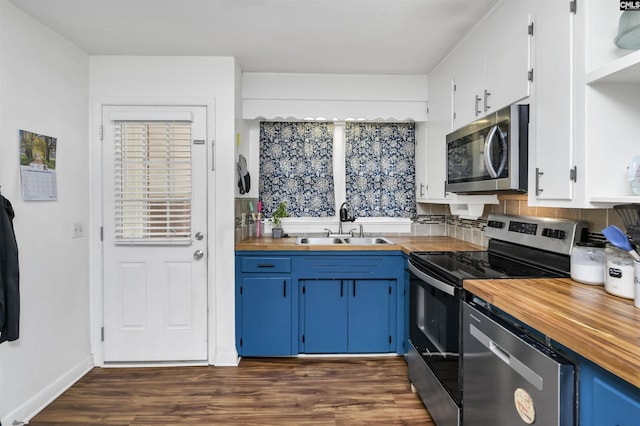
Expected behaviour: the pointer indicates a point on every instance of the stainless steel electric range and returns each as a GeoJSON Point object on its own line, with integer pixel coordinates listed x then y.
{"type": "Point", "coordinates": [519, 247]}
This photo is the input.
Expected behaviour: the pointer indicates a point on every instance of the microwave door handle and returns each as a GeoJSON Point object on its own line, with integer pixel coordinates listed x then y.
{"type": "Point", "coordinates": [488, 161]}
{"type": "Point", "coordinates": [505, 151]}
{"type": "Point", "coordinates": [444, 287]}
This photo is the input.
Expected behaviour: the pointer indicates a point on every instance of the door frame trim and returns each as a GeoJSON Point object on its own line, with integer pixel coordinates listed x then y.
{"type": "Point", "coordinates": [96, 206]}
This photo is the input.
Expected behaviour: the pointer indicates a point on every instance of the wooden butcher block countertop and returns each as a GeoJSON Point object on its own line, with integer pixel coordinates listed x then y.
{"type": "Point", "coordinates": [405, 243]}
{"type": "Point", "coordinates": [601, 327]}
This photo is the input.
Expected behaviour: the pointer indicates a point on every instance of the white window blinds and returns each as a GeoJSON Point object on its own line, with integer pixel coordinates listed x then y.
{"type": "Point", "coordinates": [153, 182]}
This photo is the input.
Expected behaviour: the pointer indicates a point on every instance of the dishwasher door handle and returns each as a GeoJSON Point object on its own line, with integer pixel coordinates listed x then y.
{"type": "Point", "coordinates": [516, 365]}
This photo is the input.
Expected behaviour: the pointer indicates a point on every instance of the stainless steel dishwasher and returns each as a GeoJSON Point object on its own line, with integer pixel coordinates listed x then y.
{"type": "Point", "coordinates": [509, 378]}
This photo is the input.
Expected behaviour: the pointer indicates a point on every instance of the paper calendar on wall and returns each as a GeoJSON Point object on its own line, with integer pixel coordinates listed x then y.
{"type": "Point", "coordinates": [38, 166]}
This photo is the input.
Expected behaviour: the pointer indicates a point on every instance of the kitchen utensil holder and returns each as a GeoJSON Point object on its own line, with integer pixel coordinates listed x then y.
{"type": "Point", "coordinates": [630, 214]}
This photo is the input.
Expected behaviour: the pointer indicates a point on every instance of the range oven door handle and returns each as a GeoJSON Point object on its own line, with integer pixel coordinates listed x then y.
{"type": "Point", "coordinates": [440, 285]}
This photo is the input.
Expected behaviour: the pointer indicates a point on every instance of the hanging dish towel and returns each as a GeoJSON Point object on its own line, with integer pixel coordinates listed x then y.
{"type": "Point", "coordinates": [9, 275]}
{"type": "Point", "coordinates": [244, 180]}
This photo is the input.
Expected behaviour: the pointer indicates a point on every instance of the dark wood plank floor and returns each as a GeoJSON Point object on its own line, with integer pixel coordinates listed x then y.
{"type": "Point", "coordinates": [261, 391]}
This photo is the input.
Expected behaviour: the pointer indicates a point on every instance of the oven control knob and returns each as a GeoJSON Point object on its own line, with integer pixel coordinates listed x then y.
{"type": "Point", "coordinates": [554, 233]}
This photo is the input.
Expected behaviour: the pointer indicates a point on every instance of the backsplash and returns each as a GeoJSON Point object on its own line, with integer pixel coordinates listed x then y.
{"type": "Point", "coordinates": [473, 230]}
{"type": "Point", "coordinates": [437, 220]}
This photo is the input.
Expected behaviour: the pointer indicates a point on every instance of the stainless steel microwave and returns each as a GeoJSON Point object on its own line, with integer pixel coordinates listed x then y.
{"type": "Point", "coordinates": [490, 155]}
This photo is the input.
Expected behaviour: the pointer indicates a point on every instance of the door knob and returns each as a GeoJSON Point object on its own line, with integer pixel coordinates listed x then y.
{"type": "Point", "coordinates": [199, 236]}
{"type": "Point", "coordinates": [198, 254]}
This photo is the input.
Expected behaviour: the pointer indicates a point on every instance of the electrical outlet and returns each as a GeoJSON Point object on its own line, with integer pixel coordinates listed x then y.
{"type": "Point", "coordinates": [78, 230]}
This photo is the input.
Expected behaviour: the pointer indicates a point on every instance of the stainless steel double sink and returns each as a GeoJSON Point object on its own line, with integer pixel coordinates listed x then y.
{"type": "Point", "coordinates": [354, 241]}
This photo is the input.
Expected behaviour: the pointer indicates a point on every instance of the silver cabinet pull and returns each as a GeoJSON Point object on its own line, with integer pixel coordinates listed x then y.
{"type": "Point", "coordinates": [477, 107]}
{"type": "Point", "coordinates": [199, 236]}
{"type": "Point", "coordinates": [213, 156]}
{"type": "Point", "coordinates": [538, 174]}
{"type": "Point", "coordinates": [486, 100]}
{"type": "Point", "coordinates": [198, 254]}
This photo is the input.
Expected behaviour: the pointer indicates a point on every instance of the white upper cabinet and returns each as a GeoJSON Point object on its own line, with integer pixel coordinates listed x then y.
{"type": "Point", "coordinates": [488, 70]}
{"type": "Point", "coordinates": [485, 72]}
{"type": "Point", "coordinates": [552, 113]}
{"type": "Point", "coordinates": [421, 162]}
{"type": "Point", "coordinates": [612, 106]}
{"type": "Point", "coordinates": [470, 80]}
{"type": "Point", "coordinates": [585, 117]}
{"type": "Point", "coordinates": [508, 55]}
{"type": "Point", "coordinates": [492, 63]}
{"type": "Point", "coordinates": [584, 97]}
{"type": "Point", "coordinates": [431, 161]}
{"type": "Point", "coordinates": [439, 125]}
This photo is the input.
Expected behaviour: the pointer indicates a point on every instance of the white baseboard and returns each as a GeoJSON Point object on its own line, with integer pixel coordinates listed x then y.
{"type": "Point", "coordinates": [31, 407]}
{"type": "Point", "coordinates": [226, 359]}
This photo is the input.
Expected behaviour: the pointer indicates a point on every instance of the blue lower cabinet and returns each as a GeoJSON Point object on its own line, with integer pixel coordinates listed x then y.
{"type": "Point", "coordinates": [372, 316]}
{"type": "Point", "coordinates": [319, 302]}
{"type": "Point", "coordinates": [323, 307]}
{"type": "Point", "coordinates": [403, 330]}
{"type": "Point", "coordinates": [606, 400]}
{"type": "Point", "coordinates": [347, 316]}
{"type": "Point", "coordinates": [265, 324]}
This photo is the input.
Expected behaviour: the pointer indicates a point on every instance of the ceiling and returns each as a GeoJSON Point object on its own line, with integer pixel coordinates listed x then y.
{"type": "Point", "coordinates": [284, 36]}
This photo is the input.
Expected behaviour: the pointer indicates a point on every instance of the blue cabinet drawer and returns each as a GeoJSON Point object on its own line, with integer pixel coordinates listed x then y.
{"type": "Point", "coordinates": [266, 264]}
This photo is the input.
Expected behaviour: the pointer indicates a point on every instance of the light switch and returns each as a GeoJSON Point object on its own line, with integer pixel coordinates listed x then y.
{"type": "Point", "coordinates": [78, 230]}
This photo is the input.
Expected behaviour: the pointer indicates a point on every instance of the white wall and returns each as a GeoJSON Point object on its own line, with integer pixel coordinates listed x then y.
{"type": "Point", "coordinates": [44, 83]}
{"type": "Point", "coordinates": [335, 97]}
{"type": "Point", "coordinates": [174, 80]}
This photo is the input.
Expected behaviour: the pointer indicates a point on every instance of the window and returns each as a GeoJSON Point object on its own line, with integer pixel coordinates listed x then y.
{"type": "Point", "coordinates": [296, 167]}
{"type": "Point", "coordinates": [153, 182]}
{"type": "Point", "coordinates": [380, 169]}
{"type": "Point", "coordinates": [374, 168]}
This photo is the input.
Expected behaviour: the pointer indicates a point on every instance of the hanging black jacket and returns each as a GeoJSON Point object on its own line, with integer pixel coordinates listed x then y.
{"type": "Point", "coordinates": [9, 275]}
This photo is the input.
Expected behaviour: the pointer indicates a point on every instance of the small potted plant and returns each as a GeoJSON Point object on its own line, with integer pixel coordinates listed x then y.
{"type": "Point", "coordinates": [276, 219]}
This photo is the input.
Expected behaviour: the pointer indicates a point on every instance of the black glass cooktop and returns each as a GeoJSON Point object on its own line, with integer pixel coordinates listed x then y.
{"type": "Point", "coordinates": [457, 266]}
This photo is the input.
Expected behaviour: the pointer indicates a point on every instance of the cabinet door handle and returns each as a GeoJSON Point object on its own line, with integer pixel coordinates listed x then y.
{"type": "Point", "coordinates": [422, 189]}
{"type": "Point", "coordinates": [266, 265]}
{"type": "Point", "coordinates": [354, 289]}
{"type": "Point", "coordinates": [284, 289]}
{"type": "Point", "coordinates": [341, 288]}
{"type": "Point", "coordinates": [213, 156]}
{"type": "Point", "coordinates": [538, 174]}
{"type": "Point", "coordinates": [477, 107]}
{"type": "Point", "coordinates": [486, 100]}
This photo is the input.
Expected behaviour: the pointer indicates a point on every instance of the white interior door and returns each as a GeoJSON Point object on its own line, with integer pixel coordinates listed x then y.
{"type": "Point", "coordinates": [154, 236]}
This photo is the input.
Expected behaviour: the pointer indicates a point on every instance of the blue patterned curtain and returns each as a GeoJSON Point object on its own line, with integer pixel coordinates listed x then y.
{"type": "Point", "coordinates": [380, 169]}
{"type": "Point", "coordinates": [296, 167]}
